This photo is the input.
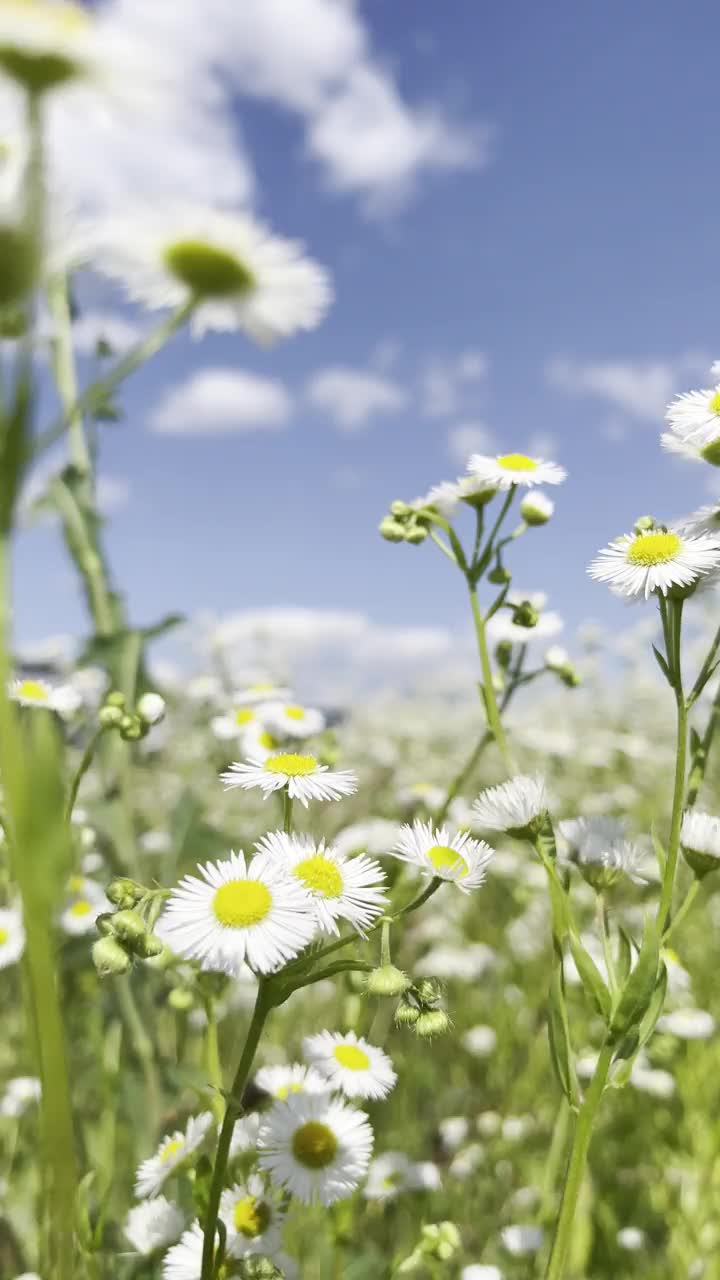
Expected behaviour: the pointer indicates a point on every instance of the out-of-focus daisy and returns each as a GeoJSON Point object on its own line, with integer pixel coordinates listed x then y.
{"type": "Point", "coordinates": [373, 836]}
{"type": "Point", "coordinates": [693, 450]}
{"type": "Point", "coordinates": [351, 1064]}
{"type": "Point", "coordinates": [425, 794]}
{"type": "Point", "coordinates": [303, 776]}
{"type": "Point", "coordinates": [700, 840]}
{"type": "Point", "coordinates": [12, 936]}
{"type": "Point", "coordinates": [153, 1225]}
{"type": "Point", "coordinates": [235, 722]}
{"type": "Point", "coordinates": [601, 850]}
{"type": "Point", "coordinates": [480, 1041]}
{"type": "Point", "coordinates": [502, 628]}
{"type": "Point", "coordinates": [280, 1080]}
{"type": "Point", "coordinates": [46, 45]}
{"type": "Point", "coordinates": [688, 1024]}
{"type": "Point", "coordinates": [536, 508]}
{"type": "Point", "coordinates": [184, 1260]}
{"type": "Point", "coordinates": [704, 520]}
{"type": "Point", "coordinates": [245, 1134]}
{"type": "Point", "coordinates": [240, 275]}
{"type": "Point", "coordinates": [518, 806]}
{"type": "Point", "coordinates": [436, 853]}
{"type": "Point", "coordinates": [85, 902]}
{"type": "Point", "coordinates": [695, 415]}
{"type": "Point", "coordinates": [340, 888]}
{"type": "Point", "coordinates": [290, 720]}
{"type": "Point", "coordinates": [239, 913]}
{"type": "Point", "coordinates": [62, 698]}
{"type": "Point", "coordinates": [173, 1151]}
{"type": "Point", "coordinates": [509, 469]}
{"type": "Point", "coordinates": [444, 497]}
{"type": "Point", "coordinates": [261, 691]}
{"type": "Point", "coordinates": [19, 1094]}
{"type": "Point", "coordinates": [252, 1217]}
{"type": "Point", "coordinates": [658, 559]}
{"type": "Point", "coordinates": [520, 1240]}
{"type": "Point", "coordinates": [481, 1271]}
{"type": "Point", "coordinates": [392, 1173]}
{"type": "Point", "coordinates": [316, 1147]}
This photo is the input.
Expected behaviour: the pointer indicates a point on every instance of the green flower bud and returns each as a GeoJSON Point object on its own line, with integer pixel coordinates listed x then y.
{"type": "Point", "coordinates": [440, 1240]}
{"type": "Point", "coordinates": [129, 926]}
{"type": "Point", "coordinates": [387, 981]}
{"type": "Point", "coordinates": [406, 1015]}
{"type": "Point", "coordinates": [115, 699]}
{"type": "Point", "coordinates": [123, 892]}
{"type": "Point", "coordinates": [391, 530]}
{"type": "Point", "coordinates": [134, 730]}
{"type": "Point", "coordinates": [499, 576]}
{"type": "Point", "coordinates": [104, 923]}
{"type": "Point", "coordinates": [109, 957]}
{"type": "Point", "coordinates": [149, 947]}
{"type": "Point", "coordinates": [644, 524]}
{"type": "Point", "coordinates": [181, 1000]}
{"type": "Point", "coordinates": [503, 654]}
{"type": "Point", "coordinates": [126, 722]}
{"type": "Point", "coordinates": [432, 1022]}
{"type": "Point", "coordinates": [110, 717]}
{"type": "Point", "coordinates": [398, 508]}
{"type": "Point", "coordinates": [416, 534]}
{"type": "Point", "coordinates": [525, 615]}
{"type": "Point", "coordinates": [429, 991]}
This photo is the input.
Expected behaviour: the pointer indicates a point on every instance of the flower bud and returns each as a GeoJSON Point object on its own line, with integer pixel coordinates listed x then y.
{"type": "Point", "coordinates": [109, 957]}
{"type": "Point", "coordinates": [440, 1240]}
{"type": "Point", "coordinates": [149, 947]}
{"type": "Point", "coordinates": [525, 615]}
{"type": "Point", "coordinates": [406, 1015]}
{"type": "Point", "coordinates": [104, 923]}
{"type": "Point", "coordinates": [416, 534]}
{"type": "Point", "coordinates": [499, 576]}
{"type": "Point", "coordinates": [181, 1000]}
{"type": "Point", "coordinates": [115, 699]}
{"type": "Point", "coordinates": [644, 524]}
{"type": "Point", "coordinates": [536, 509]}
{"type": "Point", "coordinates": [399, 508]}
{"type": "Point", "coordinates": [151, 708]}
{"type": "Point", "coordinates": [391, 530]}
{"type": "Point", "coordinates": [429, 991]}
{"type": "Point", "coordinates": [387, 981]}
{"type": "Point", "coordinates": [123, 892]}
{"type": "Point", "coordinates": [133, 730]}
{"type": "Point", "coordinates": [129, 926]}
{"type": "Point", "coordinates": [110, 717]}
{"type": "Point", "coordinates": [503, 654]}
{"type": "Point", "coordinates": [432, 1022]}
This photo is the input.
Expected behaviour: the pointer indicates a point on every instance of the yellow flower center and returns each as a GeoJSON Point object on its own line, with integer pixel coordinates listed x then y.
{"type": "Point", "coordinates": [351, 1056]}
{"type": "Point", "coordinates": [4, 936]}
{"type": "Point", "coordinates": [444, 858]}
{"type": "Point", "coordinates": [80, 908]}
{"type": "Point", "coordinates": [283, 1091]}
{"type": "Point", "coordinates": [33, 691]}
{"type": "Point", "coordinates": [295, 713]}
{"type": "Point", "coordinates": [251, 1217]}
{"type": "Point", "coordinates": [75, 884]}
{"type": "Point", "coordinates": [292, 766]}
{"type": "Point", "coordinates": [649, 549]}
{"type": "Point", "coordinates": [169, 1149]}
{"type": "Point", "coordinates": [266, 740]}
{"type": "Point", "coordinates": [241, 903]}
{"type": "Point", "coordinates": [517, 462]}
{"type": "Point", "coordinates": [209, 272]}
{"type": "Point", "coordinates": [714, 405]}
{"type": "Point", "coordinates": [244, 715]}
{"type": "Point", "coordinates": [320, 875]}
{"type": "Point", "coordinates": [314, 1145]}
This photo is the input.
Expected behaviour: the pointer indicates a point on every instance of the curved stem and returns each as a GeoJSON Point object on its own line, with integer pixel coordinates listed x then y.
{"type": "Point", "coordinates": [682, 910]}
{"type": "Point", "coordinates": [263, 1005]}
{"type": "Point", "coordinates": [576, 1167]}
{"type": "Point", "coordinates": [490, 701]}
{"type": "Point", "coordinates": [82, 769]}
{"type": "Point", "coordinates": [65, 374]}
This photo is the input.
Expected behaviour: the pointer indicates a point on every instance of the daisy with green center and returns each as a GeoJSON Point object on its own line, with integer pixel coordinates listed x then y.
{"type": "Point", "coordinates": [12, 936]}
{"type": "Point", "coordinates": [656, 560]}
{"type": "Point", "coordinates": [302, 776]}
{"type": "Point", "coordinates": [519, 807]}
{"type": "Point", "coordinates": [700, 841]}
{"type": "Point", "coordinates": [436, 853]}
{"type": "Point", "coordinates": [508, 469]}
{"type": "Point", "coordinates": [239, 913]}
{"type": "Point", "coordinates": [339, 887]}
{"type": "Point", "coordinates": [317, 1147]}
{"type": "Point", "coordinates": [350, 1064]}
{"type": "Point", "coordinates": [601, 851]}
{"type": "Point", "coordinates": [236, 272]}
{"type": "Point", "coordinates": [174, 1150]}
{"type": "Point", "coordinates": [62, 698]}
{"type": "Point", "coordinates": [252, 1218]}
{"type": "Point", "coordinates": [153, 1225]}
{"type": "Point", "coordinates": [281, 1080]}
{"type": "Point", "coordinates": [46, 45]}
{"type": "Point", "coordinates": [290, 720]}
{"type": "Point", "coordinates": [694, 449]}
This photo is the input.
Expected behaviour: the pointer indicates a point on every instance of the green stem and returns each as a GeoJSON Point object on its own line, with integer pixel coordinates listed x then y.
{"type": "Point", "coordinates": [461, 777]}
{"type": "Point", "coordinates": [668, 884]}
{"type": "Point", "coordinates": [603, 923]}
{"type": "Point", "coordinates": [65, 374]}
{"type": "Point", "coordinates": [682, 911]}
{"type": "Point", "coordinates": [287, 812]}
{"type": "Point", "coordinates": [82, 769]}
{"type": "Point", "coordinates": [142, 1045]}
{"type": "Point", "coordinates": [489, 698]}
{"type": "Point", "coordinates": [576, 1167]}
{"type": "Point", "coordinates": [443, 547]}
{"type": "Point", "coordinates": [479, 568]}
{"type": "Point", "coordinates": [83, 548]}
{"type": "Point", "coordinates": [212, 1059]}
{"type": "Point", "coordinates": [555, 1159]}
{"type": "Point", "coordinates": [263, 1005]}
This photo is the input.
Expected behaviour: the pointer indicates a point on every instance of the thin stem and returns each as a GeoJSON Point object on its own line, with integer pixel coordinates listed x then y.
{"type": "Point", "coordinates": [482, 564]}
{"type": "Point", "coordinates": [83, 547]}
{"type": "Point", "coordinates": [576, 1166]}
{"type": "Point", "coordinates": [65, 373]}
{"type": "Point", "coordinates": [263, 1005]}
{"type": "Point", "coordinates": [287, 812]}
{"type": "Point", "coordinates": [556, 1159]}
{"type": "Point", "coordinates": [443, 547]}
{"type": "Point", "coordinates": [682, 910]}
{"type": "Point", "coordinates": [82, 769]}
{"type": "Point", "coordinates": [668, 884]}
{"type": "Point", "coordinates": [603, 924]}
{"type": "Point", "coordinates": [212, 1059]}
{"type": "Point", "coordinates": [491, 706]}
{"type": "Point", "coordinates": [461, 777]}
{"type": "Point", "coordinates": [141, 1043]}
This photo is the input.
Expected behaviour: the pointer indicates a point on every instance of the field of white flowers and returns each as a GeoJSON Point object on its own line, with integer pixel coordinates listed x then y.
{"type": "Point", "coordinates": [411, 986]}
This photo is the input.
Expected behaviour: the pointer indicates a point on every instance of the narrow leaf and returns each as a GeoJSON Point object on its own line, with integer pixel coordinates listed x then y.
{"type": "Point", "coordinates": [591, 978]}
{"type": "Point", "coordinates": [559, 1038]}
{"type": "Point", "coordinates": [640, 985]}
{"type": "Point", "coordinates": [623, 960]}
{"type": "Point", "coordinates": [662, 664]}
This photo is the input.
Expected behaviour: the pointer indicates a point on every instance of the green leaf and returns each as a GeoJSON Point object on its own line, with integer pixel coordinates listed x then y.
{"type": "Point", "coordinates": [559, 1039]}
{"type": "Point", "coordinates": [638, 990]}
{"type": "Point", "coordinates": [591, 978]}
{"type": "Point", "coordinates": [662, 664]}
{"type": "Point", "coordinates": [623, 960]}
{"type": "Point", "coordinates": [655, 1007]}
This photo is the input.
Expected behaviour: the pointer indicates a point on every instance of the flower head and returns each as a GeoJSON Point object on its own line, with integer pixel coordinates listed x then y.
{"type": "Point", "coordinates": [45, 45]}
{"type": "Point", "coordinates": [152, 1225]}
{"type": "Point", "coordinates": [656, 559]}
{"type": "Point", "coordinates": [694, 417]}
{"type": "Point", "coordinates": [508, 469]}
{"type": "Point", "coordinates": [536, 508]}
{"type": "Point", "coordinates": [19, 1094]}
{"type": "Point", "coordinates": [252, 1218]}
{"type": "Point", "coordinates": [340, 888]}
{"type": "Point", "coordinates": [238, 273]}
{"type": "Point", "coordinates": [700, 840]}
{"type": "Point", "coordinates": [239, 913]}
{"type": "Point", "coordinates": [280, 1080]}
{"type": "Point", "coordinates": [173, 1151]}
{"type": "Point", "coordinates": [349, 1063]}
{"type": "Point", "coordinates": [290, 720]}
{"type": "Point", "coordinates": [458, 857]}
{"type": "Point", "coordinates": [38, 693]}
{"type": "Point", "coordinates": [393, 1173]}
{"type": "Point", "coordinates": [317, 1147]}
{"type": "Point", "coordinates": [601, 850]}
{"type": "Point", "coordinates": [12, 936]}
{"type": "Point", "coordinates": [519, 806]}
{"type": "Point", "coordinates": [305, 778]}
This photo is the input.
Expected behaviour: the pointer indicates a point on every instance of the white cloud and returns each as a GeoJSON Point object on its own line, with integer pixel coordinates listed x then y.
{"type": "Point", "coordinates": [91, 326]}
{"type": "Point", "coordinates": [352, 397]}
{"type": "Point", "coordinates": [113, 494]}
{"type": "Point", "coordinates": [220, 402]}
{"type": "Point", "coordinates": [444, 383]}
{"type": "Point", "coordinates": [640, 388]}
{"type": "Point", "coordinates": [467, 438]}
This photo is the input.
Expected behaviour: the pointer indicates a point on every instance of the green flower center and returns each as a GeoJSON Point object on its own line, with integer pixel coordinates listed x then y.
{"type": "Point", "coordinates": [351, 1056]}
{"type": "Point", "coordinates": [293, 766]}
{"type": "Point", "coordinates": [653, 548]}
{"type": "Point", "coordinates": [169, 1149]}
{"type": "Point", "coordinates": [517, 462]}
{"type": "Point", "coordinates": [241, 903]}
{"type": "Point", "coordinates": [33, 691]}
{"type": "Point", "coordinates": [711, 453]}
{"type": "Point", "coordinates": [314, 1145]}
{"type": "Point", "coordinates": [320, 875]}
{"type": "Point", "coordinates": [444, 858]}
{"type": "Point", "coordinates": [251, 1217]}
{"type": "Point", "coordinates": [207, 271]}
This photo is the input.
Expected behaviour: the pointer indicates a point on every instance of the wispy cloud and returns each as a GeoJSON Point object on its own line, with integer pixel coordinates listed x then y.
{"type": "Point", "coordinates": [640, 388]}
{"type": "Point", "coordinates": [222, 401]}
{"type": "Point", "coordinates": [444, 383]}
{"type": "Point", "coordinates": [353, 397]}
{"type": "Point", "coordinates": [469, 437]}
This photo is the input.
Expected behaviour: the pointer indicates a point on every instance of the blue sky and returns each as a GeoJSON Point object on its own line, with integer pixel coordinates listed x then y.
{"type": "Point", "coordinates": [532, 266]}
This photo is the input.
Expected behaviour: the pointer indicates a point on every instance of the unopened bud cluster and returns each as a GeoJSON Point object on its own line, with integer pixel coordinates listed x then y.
{"type": "Point", "coordinates": [558, 661]}
{"type": "Point", "coordinates": [131, 724]}
{"type": "Point", "coordinates": [125, 934]}
{"type": "Point", "coordinates": [421, 1009]}
{"type": "Point", "coordinates": [405, 524]}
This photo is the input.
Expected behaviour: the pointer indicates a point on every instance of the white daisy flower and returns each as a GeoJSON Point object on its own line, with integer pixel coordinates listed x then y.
{"type": "Point", "coordinates": [556, 658]}
{"type": "Point", "coordinates": [480, 1271]}
{"type": "Point", "coordinates": [704, 520]}
{"type": "Point", "coordinates": [508, 469]}
{"type": "Point", "coordinates": [520, 1240]}
{"type": "Point", "coordinates": [688, 1024]}
{"type": "Point", "coordinates": [19, 1094]}
{"type": "Point", "coordinates": [373, 836]}
{"type": "Point", "coordinates": [700, 840]}
{"type": "Point", "coordinates": [317, 1147]}
{"type": "Point", "coordinates": [475, 491]}
{"type": "Point", "coordinates": [358, 1069]}
{"type": "Point", "coordinates": [502, 628]}
{"type": "Point", "coordinates": [518, 806]}
{"type": "Point", "coordinates": [173, 1151]}
{"type": "Point", "coordinates": [425, 794]}
{"type": "Point", "coordinates": [280, 1080]}
{"type": "Point", "coordinates": [153, 1225]}
{"type": "Point", "coordinates": [601, 850]}
{"type": "Point", "coordinates": [238, 913]}
{"type": "Point", "coordinates": [655, 560]}
{"type": "Point", "coordinates": [62, 698]}
{"type": "Point", "coordinates": [184, 1260]}
{"type": "Point", "coordinates": [12, 936]}
{"type": "Point", "coordinates": [262, 691]}
{"type": "Point", "coordinates": [80, 914]}
{"type": "Point", "coordinates": [245, 1134]}
{"type": "Point", "coordinates": [303, 776]}
{"type": "Point", "coordinates": [393, 1173]}
{"type": "Point", "coordinates": [46, 45]}
{"type": "Point", "coordinates": [252, 1217]}
{"type": "Point", "coordinates": [693, 450]}
{"type": "Point", "coordinates": [695, 415]}
{"type": "Point", "coordinates": [536, 508]}
{"type": "Point", "coordinates": [289, 720]}
{"type": "Point", "coordinates": [436, 853]}
{"type": "Point", "coordinates": [444, 497]}
{"type": "Point", "coordinates": [240, 275]}
{"type": "Point", "coordinates": [339, 888]}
